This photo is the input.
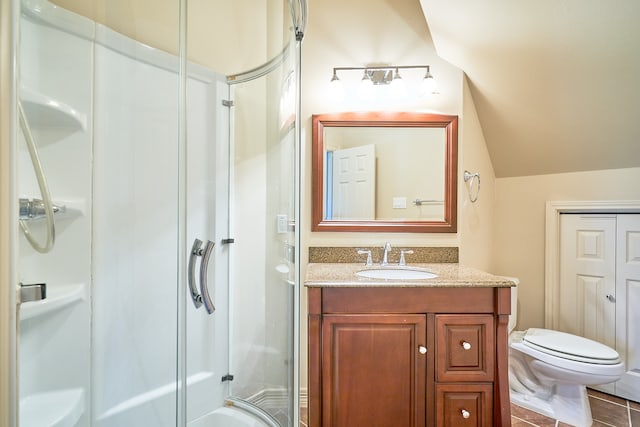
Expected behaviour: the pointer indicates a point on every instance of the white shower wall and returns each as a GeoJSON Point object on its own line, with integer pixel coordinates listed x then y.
{"type": "Point", "coordinates": [54, 342]}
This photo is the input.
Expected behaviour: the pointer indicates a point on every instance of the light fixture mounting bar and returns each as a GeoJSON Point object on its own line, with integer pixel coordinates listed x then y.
{"type": "Point", "coordinates": [381, 67]}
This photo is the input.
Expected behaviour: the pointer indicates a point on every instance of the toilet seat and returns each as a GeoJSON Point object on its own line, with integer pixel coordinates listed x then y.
{"type": "Point", "coordinates": [603, 368]}
{"type": "Point", "coordinates": [571, 347]}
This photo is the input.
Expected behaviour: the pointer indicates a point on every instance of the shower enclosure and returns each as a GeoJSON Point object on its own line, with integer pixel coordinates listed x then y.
{"type": "Point", "coordinates": [149, 209]}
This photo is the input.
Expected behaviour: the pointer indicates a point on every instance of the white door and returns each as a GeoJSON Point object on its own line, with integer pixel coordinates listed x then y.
{"type": "Point", "coordinates": [600, 288]}
{"type": "Point", "coordinates": [587, 276]}
{"type": "Point", "coordinates": [628, 305]}
{"type": "Point", "coordinates": [354, 188]}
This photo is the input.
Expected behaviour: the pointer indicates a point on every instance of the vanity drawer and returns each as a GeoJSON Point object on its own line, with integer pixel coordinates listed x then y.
{"type": "Point", "coordinates": [464, 405]}
{"type": "Point", "coordinates": [465, 347]}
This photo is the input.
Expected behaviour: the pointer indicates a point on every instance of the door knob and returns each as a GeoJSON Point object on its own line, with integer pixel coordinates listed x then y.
{"type": "Point", "coordinates": [422, 349]}
{"type": "Point", "coordinates": [465, 414]}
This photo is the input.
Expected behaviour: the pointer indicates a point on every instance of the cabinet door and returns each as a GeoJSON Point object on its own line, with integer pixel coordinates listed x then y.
{"type": "Point", "coordinates": [374, 370]}
{"type": "Point", "coordinates": [465, 346]}
{"type": "Point", "coordinates": [464, 405]}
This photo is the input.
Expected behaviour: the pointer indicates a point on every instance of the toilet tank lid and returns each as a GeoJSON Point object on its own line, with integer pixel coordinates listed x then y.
{"type": "Point", "coordinates": [571, 346]}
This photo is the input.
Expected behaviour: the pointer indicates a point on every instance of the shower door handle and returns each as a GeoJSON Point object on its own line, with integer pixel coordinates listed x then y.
{"type": "Point", "coordinates": [195, 253]}
{"type": "Point", "coordinates": [204, 288]}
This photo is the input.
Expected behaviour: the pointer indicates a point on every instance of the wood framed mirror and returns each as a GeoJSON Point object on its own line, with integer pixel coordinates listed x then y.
{"type": "Point", "coordinates": [384, 172]}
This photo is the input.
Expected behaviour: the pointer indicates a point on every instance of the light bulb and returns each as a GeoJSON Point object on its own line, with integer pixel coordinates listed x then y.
{"type": "Point", "coordinates": [428, 85]}
{"type": "Point", "coordinates": [366, 87]}
{"type": "Point", "coordinates": [398, 87]}
{"type": "Point", "coordinates": [336, 89]}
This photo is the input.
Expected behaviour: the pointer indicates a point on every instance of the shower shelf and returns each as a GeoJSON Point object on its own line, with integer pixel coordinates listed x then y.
{"type": "Point", "coordinates": [57, 298]}
{"type": "Point", "coordinates": [45, 111]}
{"type": "Point", "coordinates": [59, 408]}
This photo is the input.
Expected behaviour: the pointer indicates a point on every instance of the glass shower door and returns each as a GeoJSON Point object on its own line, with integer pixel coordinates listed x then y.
{"type": "Point", "coordinates": [209, 243]}
{"type": "Point", "coordinates": [264, 265]}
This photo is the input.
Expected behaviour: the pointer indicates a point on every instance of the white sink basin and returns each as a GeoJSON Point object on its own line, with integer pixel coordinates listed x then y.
{"type": "Point", "coordinates": [397, 274]}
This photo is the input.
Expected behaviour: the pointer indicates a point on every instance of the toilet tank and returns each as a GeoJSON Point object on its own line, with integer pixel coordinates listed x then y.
{"type": "Point", "coordinates": [513, 318]}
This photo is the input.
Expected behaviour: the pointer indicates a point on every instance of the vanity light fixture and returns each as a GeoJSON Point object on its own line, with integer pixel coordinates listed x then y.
{"type": "Point", "coordinates": [377, 75]}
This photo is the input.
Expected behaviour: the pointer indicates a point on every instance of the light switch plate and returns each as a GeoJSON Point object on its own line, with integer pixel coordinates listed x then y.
{"type": "Point", "coordinates": [282, 223]}
{"type": "Point", "coordinates": [399, 203]}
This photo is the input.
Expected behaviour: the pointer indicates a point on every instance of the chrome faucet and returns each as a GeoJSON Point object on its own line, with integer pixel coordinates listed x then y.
{"type": "Point", "coordinates": [403, 261]}
{"type": "Point", "coordinates": [366, 252]}
{"type": "Point", "coordinates": [385, 255]}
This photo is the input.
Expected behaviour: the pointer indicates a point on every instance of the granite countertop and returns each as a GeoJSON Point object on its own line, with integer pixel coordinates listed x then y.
{"type": "Point", "coordinates": [448, 275]}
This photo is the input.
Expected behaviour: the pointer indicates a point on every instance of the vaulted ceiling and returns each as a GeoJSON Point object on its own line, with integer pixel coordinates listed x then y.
{"type": "Point", "coordinates": [555, 82]}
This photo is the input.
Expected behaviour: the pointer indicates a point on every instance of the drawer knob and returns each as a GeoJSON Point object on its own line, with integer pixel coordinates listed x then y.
{"type": "Point", "coordinates": [465, 414]}
{"type": "Point", "coordinates": [466, 345]}
{"type": "Point", "coordinates": [422, 349]}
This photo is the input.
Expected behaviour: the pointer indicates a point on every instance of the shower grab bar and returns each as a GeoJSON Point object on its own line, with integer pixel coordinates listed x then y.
{"type": "Point", "coordinates": [44, 190]}
{"type": "Point", "coordinates": [204, 287]}
{"type": "Point", "coordinates": [195, 252]}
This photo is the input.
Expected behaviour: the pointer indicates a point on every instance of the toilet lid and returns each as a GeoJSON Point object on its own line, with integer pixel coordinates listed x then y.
{"type": "Point", "coordinates": [570, 346]}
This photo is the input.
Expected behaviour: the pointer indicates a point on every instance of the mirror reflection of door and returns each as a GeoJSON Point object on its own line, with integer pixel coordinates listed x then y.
{"type": "Point", "coordinates": [409, 166]}
{"type": "Point", "coordinates": [353, 177]}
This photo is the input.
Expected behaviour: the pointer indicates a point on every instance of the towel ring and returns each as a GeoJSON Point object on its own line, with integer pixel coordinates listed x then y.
{"type": "Point", "coordinates": [468, 176]}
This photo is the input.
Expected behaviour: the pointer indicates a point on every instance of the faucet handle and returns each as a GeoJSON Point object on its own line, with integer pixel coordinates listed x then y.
{"type": "Point", "coordinates": [367, 252]}
{"type": "Point", "coordinates": [402, 252]}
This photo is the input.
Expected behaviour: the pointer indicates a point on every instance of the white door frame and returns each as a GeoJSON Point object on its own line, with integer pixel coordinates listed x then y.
{"type": "Point", "coordinates": [552, 244]}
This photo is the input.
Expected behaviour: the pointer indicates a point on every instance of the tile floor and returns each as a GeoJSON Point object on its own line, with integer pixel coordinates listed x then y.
{"type": "Point", "coordinates": [607, 411]}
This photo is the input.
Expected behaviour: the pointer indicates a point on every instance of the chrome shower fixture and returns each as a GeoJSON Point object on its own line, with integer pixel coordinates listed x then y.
{"type": "Point", "coordinates": [35, 209]}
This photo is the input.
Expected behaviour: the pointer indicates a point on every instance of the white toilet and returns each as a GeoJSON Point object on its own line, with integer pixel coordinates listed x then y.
{"type": "Point", "coordinates": [549, 370]}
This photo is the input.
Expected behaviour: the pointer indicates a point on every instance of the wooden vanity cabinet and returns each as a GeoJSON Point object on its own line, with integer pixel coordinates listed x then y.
{"type": "Point", "coordinates": [408, 356]}
{"type": "Point", "coordinates": [374, 365]}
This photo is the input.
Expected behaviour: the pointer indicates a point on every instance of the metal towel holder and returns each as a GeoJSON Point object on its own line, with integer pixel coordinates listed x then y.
{"type": "Point", "coordinates": [468, 176]}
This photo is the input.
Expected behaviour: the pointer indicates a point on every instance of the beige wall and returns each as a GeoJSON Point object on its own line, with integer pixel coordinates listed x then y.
{"type": "Point", "coordinates": [228, 37]}
{"type": "Point", "coordinates": [475, 220]}
{"type": "Point", "coordinates": [519, 244]}
{"type": "Point", "coordinates": [394, 32]}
